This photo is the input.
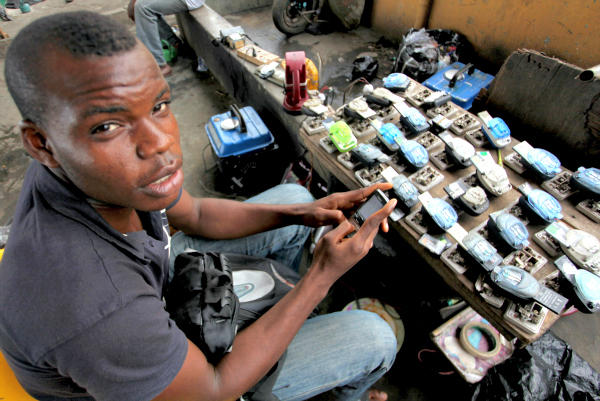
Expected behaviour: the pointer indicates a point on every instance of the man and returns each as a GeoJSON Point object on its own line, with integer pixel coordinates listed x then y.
{"type": "Point", "coordinates": [83, 273]}
{"type": "Point", "coordinates": [145, 13]}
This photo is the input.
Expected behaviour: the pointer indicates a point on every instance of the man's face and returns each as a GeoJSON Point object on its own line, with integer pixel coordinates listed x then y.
{"type": "Point", "coordinates": [111, 129]}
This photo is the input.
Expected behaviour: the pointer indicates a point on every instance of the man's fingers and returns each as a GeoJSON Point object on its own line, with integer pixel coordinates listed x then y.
{"type": "Point", "coordinates": [368, 191]}
{"type": "Point", "coordinates": [369, 229]}
{"type": "Point", "coordinates": [330, 216]}
{"type": "Point", "coordinates": [341, 231]}
{"type": "Point", "coordinates": [362, 194]}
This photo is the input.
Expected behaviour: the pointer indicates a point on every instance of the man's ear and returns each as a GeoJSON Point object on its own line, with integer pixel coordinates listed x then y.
{"type": "Point", "coordinates": [36, 143]}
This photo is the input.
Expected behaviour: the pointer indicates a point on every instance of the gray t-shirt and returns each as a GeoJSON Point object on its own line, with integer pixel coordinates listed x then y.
{"type": "Point", "coordinates": [82, 310]}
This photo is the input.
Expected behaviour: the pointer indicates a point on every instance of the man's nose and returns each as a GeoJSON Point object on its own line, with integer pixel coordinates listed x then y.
{"type": "Point", "coordinates": [153, 138]}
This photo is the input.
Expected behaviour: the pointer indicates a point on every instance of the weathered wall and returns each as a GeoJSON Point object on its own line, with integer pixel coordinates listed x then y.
{"type": "Point", "coordinates": [395, 17]}
{"type": "Point", "coordinates": [545, 101]}
{"type": "Point", "coordinates": [567, 29]}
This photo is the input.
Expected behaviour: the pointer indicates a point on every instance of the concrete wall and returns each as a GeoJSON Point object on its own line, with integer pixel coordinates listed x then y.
{"type": "Point", "coordinates": [566, 29]}
{"type": "Point", "coordinates": [394, 17]}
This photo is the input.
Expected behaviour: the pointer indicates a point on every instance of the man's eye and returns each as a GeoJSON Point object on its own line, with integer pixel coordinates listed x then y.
{"type": "Point", "coordinates": [106, 127]}
{"type": "Point", "coordinates": [161, 106]}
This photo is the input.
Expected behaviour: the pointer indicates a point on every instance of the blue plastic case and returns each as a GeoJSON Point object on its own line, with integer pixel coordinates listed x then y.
{"type": "Point", "coordinates": [466, 89]}
{"type": "Point", "coordinates": [543, 163]}
{"type": "Point", "coordinates": [442, 213]}
{"type": "Point", "coordinates": [396, 82]}
{"type": "Point", "coordinates": [414, 153]}
{"type": "Point", "coordinates": [405, 190]}
{"type": "Point", "coordinates": [368, 154]}
{"type": "Point", "coordinates": [390, 136]}
{"type": "Point", "coordinates": [482, 251]}
{"type": "Point", "coordinates": [542, 204]}
{"type": "Point", "coordinates": [510, 229]}
{"type": "Point", "coordinates": [588, 289]}
{"type": "Point", "coordinates": [244, 137]}
{"type": "Point", "coordinates": [414, 121]}
{"type": "Point", "coordinates": [516, 281]}
{"type": "Point", "coordinates": [587, 179]}
{"type": "Point", "coordinates": [497, 132]}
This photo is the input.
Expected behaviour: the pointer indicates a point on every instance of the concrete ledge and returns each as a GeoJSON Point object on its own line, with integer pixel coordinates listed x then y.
{"type": "Point", "coordinates": [201, 29]}
{"type": "Point", "coordinates": [235, 6]}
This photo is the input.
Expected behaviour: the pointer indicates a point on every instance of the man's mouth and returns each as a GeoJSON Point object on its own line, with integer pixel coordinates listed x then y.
{"type": "Point", "coordinates": [161, 180]}
{"type": "Point", "coordinates": [170, 179]}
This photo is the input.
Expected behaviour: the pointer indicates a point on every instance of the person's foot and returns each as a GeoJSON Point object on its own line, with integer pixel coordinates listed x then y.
{"type": "Point", "coordinates": [166, 70]}
{"type": "Point", "coordinates": [376, 395]}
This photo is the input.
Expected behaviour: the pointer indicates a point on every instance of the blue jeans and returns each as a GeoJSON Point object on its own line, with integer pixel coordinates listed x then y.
{"type": "Point", "coordinates": [147, 13]}
{"type": "Point", "coordinates": [283, 244]}
{"type": "Point", "coordinates": [344, 351]}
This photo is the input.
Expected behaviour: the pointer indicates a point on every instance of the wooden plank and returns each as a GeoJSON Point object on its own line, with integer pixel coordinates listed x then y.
{"type": "Point", "coordinates": [461, 283]}
{"type": "Point", "coordinates": [256, 55]}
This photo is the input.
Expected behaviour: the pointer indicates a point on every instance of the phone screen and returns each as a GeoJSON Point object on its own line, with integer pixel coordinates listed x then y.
{"type": "Point", "coordinates": [372, 205]}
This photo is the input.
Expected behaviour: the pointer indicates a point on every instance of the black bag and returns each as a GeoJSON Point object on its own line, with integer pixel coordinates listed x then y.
{"type": "Point", "coordinates": [202, 300]}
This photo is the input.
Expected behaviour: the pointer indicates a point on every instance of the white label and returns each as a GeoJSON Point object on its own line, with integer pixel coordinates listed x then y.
{"type": "Point", "coordinates": [425, 198]}
{"type": "Point", "coordinates": [402, 108]}
{"type": "Point", "coordinates": [455, 190]}
{"type": "Point", "coordinates": [458, 233]}
{"type": "Point", "coordinates": [389, 173]}
{"type": "Point", "coordinates": [559, 231]}
{"type": "Point", "coordinates": [523, 149]}
{"type": "Point", "coordinates": [485, 117]}
{"type": "Point", "coordinates": [482, 160]}
{"type": "Point", "coordinates": [320, 109]}
{"type": "Point", "coordinates": [377, 124]}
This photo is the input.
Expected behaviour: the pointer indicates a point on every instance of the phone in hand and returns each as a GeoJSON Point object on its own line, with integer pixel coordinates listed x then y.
{"type": "Point", "coordinates": [375, 202]}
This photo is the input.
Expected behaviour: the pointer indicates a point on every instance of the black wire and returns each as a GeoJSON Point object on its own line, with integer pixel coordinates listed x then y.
{"type": "Point", "coordinates": [204, 158]}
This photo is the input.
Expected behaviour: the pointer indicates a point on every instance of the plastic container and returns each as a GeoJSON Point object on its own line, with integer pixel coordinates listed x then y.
{"type": "Point", "coordinates": [465, 88]}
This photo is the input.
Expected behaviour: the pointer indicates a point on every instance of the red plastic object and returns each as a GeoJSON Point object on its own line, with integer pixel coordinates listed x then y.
{"type": "Point", "coordinates": [295, 81]}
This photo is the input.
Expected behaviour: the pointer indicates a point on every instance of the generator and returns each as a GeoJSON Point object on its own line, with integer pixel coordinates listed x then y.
{"type": "Point", "coordinates": [462, 81]}
{"type": "Point", "coordinates": [248, 158]}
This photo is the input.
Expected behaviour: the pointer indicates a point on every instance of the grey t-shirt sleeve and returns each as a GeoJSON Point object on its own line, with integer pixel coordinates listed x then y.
{"type": "Point", "coordinates": [132, 354]}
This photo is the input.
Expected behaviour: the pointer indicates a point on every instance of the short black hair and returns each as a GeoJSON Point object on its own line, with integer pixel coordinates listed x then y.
{"type": "Point", "coordinates": [80, 34]}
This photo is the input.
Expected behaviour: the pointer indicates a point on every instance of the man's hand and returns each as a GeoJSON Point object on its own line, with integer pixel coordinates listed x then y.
{"type": "Point", "coordinates": [335, 254]}
{"type": "Point", "coordinates": [330, 209]}
{"type": "Point", "coordinates": [131, 10]}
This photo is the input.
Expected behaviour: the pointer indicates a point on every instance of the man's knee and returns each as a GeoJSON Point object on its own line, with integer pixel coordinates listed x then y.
{"type": "Point", "coordinates": [283, 194]}
{"type": "Point", "coordinates": [382, 338]}
{"type": "Point", "coordinates": [296, 193]}
{"type": "Point", "coordinates": [142, 9]}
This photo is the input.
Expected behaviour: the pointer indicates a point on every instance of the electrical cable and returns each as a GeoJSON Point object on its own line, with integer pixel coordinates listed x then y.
{"type": "Point", "coordinates": [572, 310]}
{"type": "Point", "coordinates": [204, 158]}
{"type": "Point", "coordinates": [487, 331]}
{"type": "Point", "coordinates": [351, 85]}
{"type": "Point", "coordinates": [432, 351]}
{"type": "Point", "coordinates": [209, 191]}
{"type": "Point", "coordinates": [319, 70]}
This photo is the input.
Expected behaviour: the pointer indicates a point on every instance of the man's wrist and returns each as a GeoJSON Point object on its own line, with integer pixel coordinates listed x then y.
{"type": "Point", "coordinates": [317, 281]}
{"type": "Point", "coordinates": [294, 214]}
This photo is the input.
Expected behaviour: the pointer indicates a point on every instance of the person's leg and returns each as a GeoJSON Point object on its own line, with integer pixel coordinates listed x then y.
{"type": "Point", "coordinates": [282, 244]}
{"type": "Point", "coordinates": [147, 13]}
{"type": "Point", "coordinates": [344, 351]}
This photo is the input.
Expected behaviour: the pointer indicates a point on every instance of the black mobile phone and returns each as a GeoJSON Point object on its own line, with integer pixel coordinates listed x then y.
{"type": "Point", "coordinates": [375, 202]}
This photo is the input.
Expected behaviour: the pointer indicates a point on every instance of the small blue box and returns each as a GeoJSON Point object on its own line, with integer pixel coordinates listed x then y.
{"type": "Point", "coordinates": [231, 137]}
{"type": "Point", "coordinates": [466, 89]}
